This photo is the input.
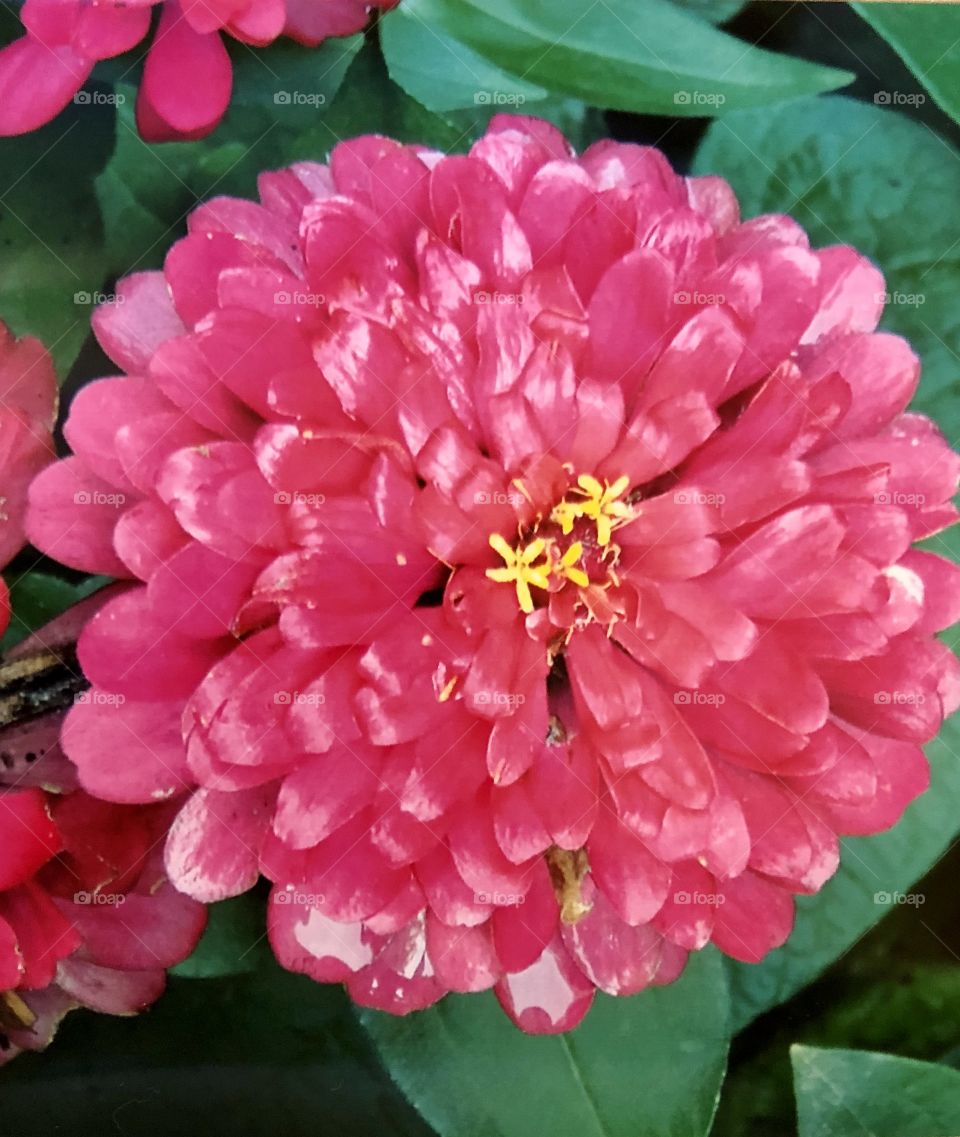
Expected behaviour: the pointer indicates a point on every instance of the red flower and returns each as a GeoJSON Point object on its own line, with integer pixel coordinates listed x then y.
{"type": "Point", "coordinates": [188, 75]}
{"type": "Point", "coordinates": [523, 582]}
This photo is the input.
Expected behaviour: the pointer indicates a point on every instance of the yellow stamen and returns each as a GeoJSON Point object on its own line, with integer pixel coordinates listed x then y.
{"type": "Point", "coordinates": [601, 503]}
{"type": "Point", "coordinates": [567, 565]}
{"type": "Point", "coordinates": [520, 568]}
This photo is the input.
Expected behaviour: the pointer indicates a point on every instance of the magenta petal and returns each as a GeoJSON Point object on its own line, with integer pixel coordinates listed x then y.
{"type": "Point", "coordinates": [127, 751]}
{"type": "Point", "coordinates": [214, 845]}
{"type": "Point", "coordinates": [165, 107]}
{"type": "Point", "coordinates": [37, 82]}
{"type": "Point", "coordinates": [754, 917]}
{"type": "Point", "coordinates": [550, 996]}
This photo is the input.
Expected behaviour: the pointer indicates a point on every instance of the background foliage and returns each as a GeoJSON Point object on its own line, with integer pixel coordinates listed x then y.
{"type": "Point", "coordinates": [742, 89]}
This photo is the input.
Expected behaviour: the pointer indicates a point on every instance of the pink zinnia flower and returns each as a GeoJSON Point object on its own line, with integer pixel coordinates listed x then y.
{"type": "Point", "coordinates": [520, 566]}
{"type": "Point", "coordinates": [188, 76]}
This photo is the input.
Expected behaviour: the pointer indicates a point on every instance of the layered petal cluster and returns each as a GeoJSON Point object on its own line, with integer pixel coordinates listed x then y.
{"type": "Point", "coordinates": [87, 916]}
{"type": "Point", "coordinates": [28, 407]}
{"type": "Point", "coordinates": [520, 567]}
{"type": "Point", "coordinates": [188, 76]}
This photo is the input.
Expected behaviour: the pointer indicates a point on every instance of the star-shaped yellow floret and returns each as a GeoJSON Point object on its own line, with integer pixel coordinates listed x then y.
{"type": "Point", "coordinates": [520, 567]}
{"type": "Point", "coordinates": [601, 503]}
{"type": "Point", "coordinates": [567, 565]}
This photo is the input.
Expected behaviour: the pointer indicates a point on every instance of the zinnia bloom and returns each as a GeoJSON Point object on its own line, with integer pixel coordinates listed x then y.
{"type": "Point", "coordinates": [188, 75]}
{"type": "Point", "coordinates": [520, 561]}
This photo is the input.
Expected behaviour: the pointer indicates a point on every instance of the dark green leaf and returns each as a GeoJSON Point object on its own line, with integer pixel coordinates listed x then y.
{"type": "Point", "coordinates": [53, 263]}
{"type": "Point", "coordinates": [873, 1095]}
{"type": "Point", "coordinates": [651, 57]}
{"type": "Point", "coordinates": [233, 942]}
{"type": "Point", "coordinates": [260, 1054]}
{"type": "Point", "coordinates": [716, 11]}
{"type": "Point", "coordinates": [37, 598]}
{"type": "Point", "coordinates": [647, 1066]}
{"type": "Point", "coordinates": [444, 74]}
{"type": "Point", "coordinates": [927, 39]}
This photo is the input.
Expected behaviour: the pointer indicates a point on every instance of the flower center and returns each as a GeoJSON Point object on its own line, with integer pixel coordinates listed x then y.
{"type": "Point", "coordinates": [542, 558]}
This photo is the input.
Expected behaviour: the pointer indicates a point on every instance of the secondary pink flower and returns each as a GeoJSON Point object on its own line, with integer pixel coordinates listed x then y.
{"type": "Point", "coordinates": [188, 76]}
{"type": "Point", "coordinates": [520, 562]}
{"type": "Point", "coordinates": [28, 407]}
{"type": "Point", "coordinates": [87, 916]}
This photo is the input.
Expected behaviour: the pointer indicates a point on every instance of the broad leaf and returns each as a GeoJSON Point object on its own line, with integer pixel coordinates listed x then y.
{"type": "Point", "coordinates": [646, 1066]}
{"type": "Point", "coordinates": [259, 1055]}
{"type": "Point", "coordinates": [873, 1095]}
{"type": "Point", "coordinates": [927, 39]}
{"type": "Point", "coordinates": [36, 598]}
{"type": "Point", "coordinates": [444, 74]}
{"type": "Point", "coordinates": [233, 942]}
{"type": "Point", "coordinates": [716, 11]}
{"type": "Point", "coordinates": [651, 57]}
{"type": "Point", "coordinates": [53, 266]}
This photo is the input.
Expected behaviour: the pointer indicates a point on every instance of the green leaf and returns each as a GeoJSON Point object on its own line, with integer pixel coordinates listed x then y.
{"type": "Point", "coordinates": [645, 1066]}
{"type": "Point", "coordinates": [651, 57]}
{"type": "Point", "coordinates": [444, 74]}
{"type": "Point", "coordinates": [927, 39]}
{"type": "Point", "coordinates": [53, 263]}
{"type": "Point", "coordinates": [233, 943]}
{"type": "Point", "coordinates": [873, 1095]}
{"type": "Point", "coordinates": [855, 173]}
{"type": "Point", "coordinates": [259, 1055]}
{"type": "Point", "coordinates": [716, 11]}
{"type": "Point", "coordinates": [288, 81]}
{"type": "Point", "coordinates": [37, 598]}
{"type": "Point", "coordinates": [859, 174]}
